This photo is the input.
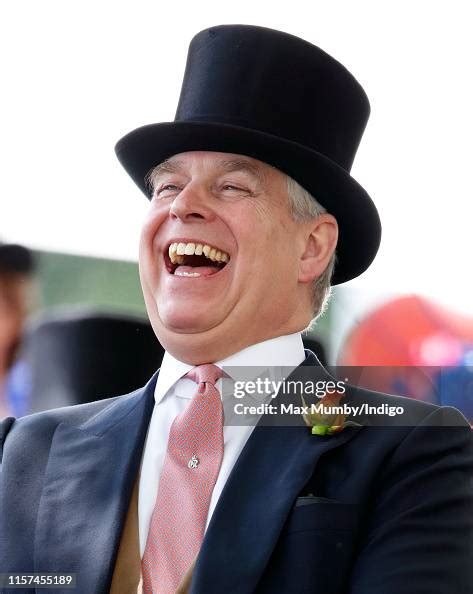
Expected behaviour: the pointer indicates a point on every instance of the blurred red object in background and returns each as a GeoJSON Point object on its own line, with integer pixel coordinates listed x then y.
{"type": "Point", "coordinates": [414, 347]}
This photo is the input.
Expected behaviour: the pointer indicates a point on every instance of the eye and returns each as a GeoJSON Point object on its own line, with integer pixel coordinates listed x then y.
{"type": "Point", "coordinates": [232, 188]}
{"type": "Point", "coordinates": [167, 188]}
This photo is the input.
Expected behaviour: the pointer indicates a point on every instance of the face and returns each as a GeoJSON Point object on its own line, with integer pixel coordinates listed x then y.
{"type": "Point", "coordinates": [220, 256]}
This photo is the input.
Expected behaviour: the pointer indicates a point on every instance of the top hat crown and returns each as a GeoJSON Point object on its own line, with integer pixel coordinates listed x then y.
{"type": "Point", "coordinates": [277, 98]}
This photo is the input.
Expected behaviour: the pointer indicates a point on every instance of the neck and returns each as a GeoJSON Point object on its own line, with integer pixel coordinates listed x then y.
{"type": "Point", "coordinates": [201, 348]}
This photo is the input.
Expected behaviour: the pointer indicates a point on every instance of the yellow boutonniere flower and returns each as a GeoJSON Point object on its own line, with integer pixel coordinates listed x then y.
{"type": "Point", "coordinates": [326, 417]}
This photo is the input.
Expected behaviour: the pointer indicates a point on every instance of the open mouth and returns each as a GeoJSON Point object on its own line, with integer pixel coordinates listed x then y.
{"type": "Point", "coordinates": [194, 259]}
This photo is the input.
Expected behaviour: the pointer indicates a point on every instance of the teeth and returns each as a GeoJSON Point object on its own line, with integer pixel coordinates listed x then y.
{"type": "Point", "coordinates": [177, 251]}
{"type": "Point", "coordinates": [173, 256]}
{"type": "Point", "coordinates": [184, 273]}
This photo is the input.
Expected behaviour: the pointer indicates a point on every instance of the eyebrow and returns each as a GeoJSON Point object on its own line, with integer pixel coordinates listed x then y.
{"type": "Point", "coordinates": [233, 165]}
{"type": "Point", "coordinates": [226, 165]}
{"type": "Point", "coordinates": [167, 166]}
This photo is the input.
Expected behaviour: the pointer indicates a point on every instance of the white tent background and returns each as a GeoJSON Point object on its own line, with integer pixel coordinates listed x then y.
{"type": "Point", "coordinates": [76, 76]}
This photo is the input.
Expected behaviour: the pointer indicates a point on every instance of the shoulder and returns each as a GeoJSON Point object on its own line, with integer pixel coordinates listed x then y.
{"type": "Point", "coordinates": [39, 427]}
{"type": "Point", "coordinates": [5, 426]}
{"type": "Point", "coordinates": [383, 409]}
{"type": "Point", "coordinates": [37, 430]}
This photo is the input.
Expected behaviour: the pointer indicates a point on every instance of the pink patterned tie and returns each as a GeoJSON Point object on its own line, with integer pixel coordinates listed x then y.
{"type": "Point", "coordinates": [190, 470]}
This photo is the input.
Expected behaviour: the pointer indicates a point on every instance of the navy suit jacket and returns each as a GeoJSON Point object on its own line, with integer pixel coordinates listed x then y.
{"type": "Point", "coordinates": [369, 510]}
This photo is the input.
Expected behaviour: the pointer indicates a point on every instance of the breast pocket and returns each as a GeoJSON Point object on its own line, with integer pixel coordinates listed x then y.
{"type": "Point", "coordinates": [315, 549]}
{"type": "Point", "coordinates": [320, 513]}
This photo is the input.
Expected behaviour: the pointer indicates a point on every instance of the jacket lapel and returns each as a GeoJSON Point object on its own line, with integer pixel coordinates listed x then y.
{"type": "Point", "coordinates": [88, 483]}
{"type": "Point", "coordinates": [272, 469]}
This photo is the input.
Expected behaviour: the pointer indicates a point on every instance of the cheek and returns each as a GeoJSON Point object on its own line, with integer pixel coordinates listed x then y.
{"type": "Point", "coordinates": [145, 256]}
{"type": "Point", "coordinates": [150, 229]}
{"type": "Point", "coordinates": [148, 253]}
{"type": "Point", "coordinates": [150, 226]}
{"type": "Point", "coordinates": [279, 257]}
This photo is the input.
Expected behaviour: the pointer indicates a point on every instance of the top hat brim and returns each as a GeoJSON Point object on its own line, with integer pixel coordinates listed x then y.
{"type": "Point", "coordinates": [331, 185]}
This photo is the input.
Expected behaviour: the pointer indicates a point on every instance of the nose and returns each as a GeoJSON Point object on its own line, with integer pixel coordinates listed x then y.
{"type": "Point", "coordinates": [191, 203]}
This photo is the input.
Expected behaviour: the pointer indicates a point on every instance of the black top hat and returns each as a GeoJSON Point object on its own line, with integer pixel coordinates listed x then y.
{"type": "Point", "coordinates": [272, 96]}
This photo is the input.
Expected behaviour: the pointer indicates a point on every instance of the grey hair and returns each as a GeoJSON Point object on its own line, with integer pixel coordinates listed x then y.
{"type": "Point", "coordinates": [305, 207]}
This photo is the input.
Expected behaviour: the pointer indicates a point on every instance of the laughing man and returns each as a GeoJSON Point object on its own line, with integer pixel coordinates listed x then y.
{"type": "Point", "coordinates": [253, 215]}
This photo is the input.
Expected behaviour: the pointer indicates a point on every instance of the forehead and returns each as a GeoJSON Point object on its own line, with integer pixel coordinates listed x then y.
{"type": "Point", "coordinates": [215, 162]}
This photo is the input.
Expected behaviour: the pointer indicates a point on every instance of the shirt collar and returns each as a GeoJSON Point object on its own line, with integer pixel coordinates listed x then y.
{"type": "Point", "coordinates": [282, 351]}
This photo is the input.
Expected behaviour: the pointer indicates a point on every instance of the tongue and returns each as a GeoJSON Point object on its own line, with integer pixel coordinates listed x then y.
{"type": "Point", "coordinates": [202, 270]}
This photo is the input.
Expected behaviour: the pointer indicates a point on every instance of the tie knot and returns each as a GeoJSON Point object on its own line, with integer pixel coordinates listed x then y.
{"type": "Point", "coordinates": [205, 373]}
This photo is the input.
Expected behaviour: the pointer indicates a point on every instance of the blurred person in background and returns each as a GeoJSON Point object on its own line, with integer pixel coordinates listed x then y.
{"type": "Point", "coordinates": [250, 197]}
{"type": "Point", "coordinates": [16, 290]}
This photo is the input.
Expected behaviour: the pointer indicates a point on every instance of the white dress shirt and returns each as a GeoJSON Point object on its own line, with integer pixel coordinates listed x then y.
{"type": "Point", "coordinates": [172, 394]}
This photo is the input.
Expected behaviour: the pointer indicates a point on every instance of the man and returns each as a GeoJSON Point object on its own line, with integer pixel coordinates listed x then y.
{"type": "Point", "coordinates": [235, 260]}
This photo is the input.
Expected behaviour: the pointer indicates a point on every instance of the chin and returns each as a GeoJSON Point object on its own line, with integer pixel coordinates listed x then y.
{"type": "Point", "coordinates": [193, 345]}
{"type": "Point", "coordinates": [185, 319]}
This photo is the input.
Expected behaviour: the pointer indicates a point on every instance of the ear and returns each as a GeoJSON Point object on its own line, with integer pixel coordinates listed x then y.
{"type": "Point", "coordinates": [320, 243]}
